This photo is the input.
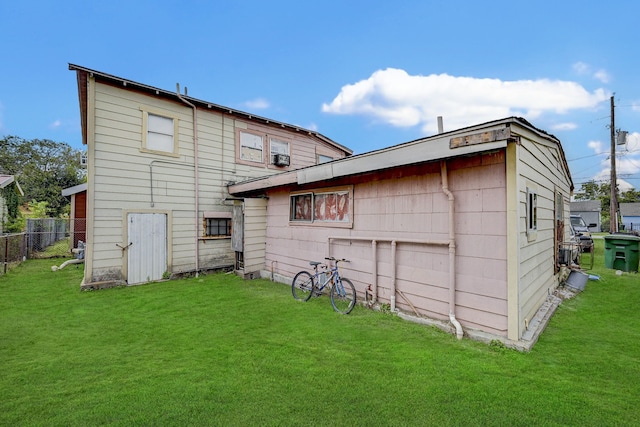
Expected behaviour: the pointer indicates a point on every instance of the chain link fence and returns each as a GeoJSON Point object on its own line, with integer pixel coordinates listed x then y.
{"type": "Point", "coordinates": [44, 238]}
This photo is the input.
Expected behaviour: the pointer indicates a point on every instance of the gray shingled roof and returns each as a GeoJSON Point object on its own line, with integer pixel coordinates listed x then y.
{"type": "Point", "coordinates": [586, 206]}
{"type": "Point", "coordinates": [630, 209]}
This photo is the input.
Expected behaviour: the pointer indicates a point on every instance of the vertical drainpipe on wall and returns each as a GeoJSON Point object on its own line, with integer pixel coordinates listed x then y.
{"type": "Point", "coordinates": [452, 251]}
{"type": "Point", "coordinates": [196, 176]}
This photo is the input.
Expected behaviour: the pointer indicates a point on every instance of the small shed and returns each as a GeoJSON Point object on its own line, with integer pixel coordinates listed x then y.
{"type": "Point", "coordinates": [78, 217]}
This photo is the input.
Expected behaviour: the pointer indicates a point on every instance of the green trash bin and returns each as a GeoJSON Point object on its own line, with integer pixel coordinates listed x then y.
{"type": "Point", "coordinates": [621, 252]}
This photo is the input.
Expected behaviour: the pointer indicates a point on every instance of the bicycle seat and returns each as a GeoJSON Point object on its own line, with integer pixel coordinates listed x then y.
{"type": "Point", "coordinates": [314, 263]}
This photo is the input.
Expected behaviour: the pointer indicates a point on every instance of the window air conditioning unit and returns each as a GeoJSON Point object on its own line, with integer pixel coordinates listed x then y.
{"type": "Point", "coordinates": [281, 160]}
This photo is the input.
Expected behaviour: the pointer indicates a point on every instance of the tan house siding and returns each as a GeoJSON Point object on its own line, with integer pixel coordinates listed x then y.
{"type": "Point", "coordinates": [123, 176]}
{"type": "Point", "coordinates": [539, 169]}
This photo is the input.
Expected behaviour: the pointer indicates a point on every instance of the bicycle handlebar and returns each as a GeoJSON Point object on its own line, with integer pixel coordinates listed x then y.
{"type": "Point", "coordinates": [337, 260]}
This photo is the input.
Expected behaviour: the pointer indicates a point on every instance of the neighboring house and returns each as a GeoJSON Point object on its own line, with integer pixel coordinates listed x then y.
{"type": "Point", "coordinates": [464, 227]}
{"type": "Point", "coordinates": [158, 166]}
{"type": "Point", "coordinates": [78, 214]}
{"type": "Point", "coordinates": [590, 211]}
{"type": "Point", "coordinates": [630, 213]}
{"type": "Point", "coordinates": [7, 181]}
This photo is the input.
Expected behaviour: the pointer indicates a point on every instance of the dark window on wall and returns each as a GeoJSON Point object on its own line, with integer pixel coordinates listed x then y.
{"type": "Point", "coordinates": [217, 227]}
{"type": "Point", "coordinates": [532, 214]}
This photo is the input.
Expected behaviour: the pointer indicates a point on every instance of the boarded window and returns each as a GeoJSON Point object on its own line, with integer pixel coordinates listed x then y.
{"type": "Point", "coordinates": [331, 206]}
{"type": "Point", "coordinates": [301, 207]}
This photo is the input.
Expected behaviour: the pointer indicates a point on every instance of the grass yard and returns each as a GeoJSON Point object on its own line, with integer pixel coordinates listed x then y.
{"type": "Point", "coordinates": [218, 350]}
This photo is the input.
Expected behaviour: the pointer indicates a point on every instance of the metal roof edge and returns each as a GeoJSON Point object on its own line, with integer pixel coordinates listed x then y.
{"type": "Point", "coordinates": [205, 104]}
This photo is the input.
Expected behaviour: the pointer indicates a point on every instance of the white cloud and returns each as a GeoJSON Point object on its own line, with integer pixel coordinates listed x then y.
{"type": "Point", "coordinates": [582, 68]}
{"type": "Point", "coordinates": [564, 126]}
{"type": "Point", "coordinates": [55, 125]}
{"type": "Point", "coordinates": [596, 146]}
{"type": "Point", "coordinates": [602, 76]}
{"type": "Point", "coordinates": [257, 104]}
{"type": "Point", "coordinates": [394, 97]}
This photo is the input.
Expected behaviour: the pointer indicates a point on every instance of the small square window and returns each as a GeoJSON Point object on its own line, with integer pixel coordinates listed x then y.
{"type": "Point", "coordinates": [159, 133]}
{"type": "Point", "coordinates": [217, 227]}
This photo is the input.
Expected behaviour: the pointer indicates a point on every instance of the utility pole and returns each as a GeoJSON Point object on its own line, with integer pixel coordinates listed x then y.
{"type": "Point", "coordinates": [613, 204]}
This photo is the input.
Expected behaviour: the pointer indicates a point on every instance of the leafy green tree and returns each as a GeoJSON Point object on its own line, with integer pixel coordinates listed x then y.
{"type": "Point", "coordinates": [43, 168]}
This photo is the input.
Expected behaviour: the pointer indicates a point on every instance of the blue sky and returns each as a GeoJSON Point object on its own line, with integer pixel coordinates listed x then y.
{"type": "Point", "coordinates": [367, 74]}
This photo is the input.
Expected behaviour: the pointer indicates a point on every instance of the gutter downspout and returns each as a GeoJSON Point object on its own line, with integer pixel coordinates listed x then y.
{"type": "Point", "coordinates": [452, 251]}
{"type": "Point", "coordinates": [196, 176]}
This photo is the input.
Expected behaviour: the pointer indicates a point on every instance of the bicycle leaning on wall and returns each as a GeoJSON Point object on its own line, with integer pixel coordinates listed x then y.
{"type": "Point", "coordinates": [343, 293]}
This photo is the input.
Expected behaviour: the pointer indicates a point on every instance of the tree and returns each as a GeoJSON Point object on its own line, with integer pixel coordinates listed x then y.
{"type": "Point", "coordinates": [43, 168]}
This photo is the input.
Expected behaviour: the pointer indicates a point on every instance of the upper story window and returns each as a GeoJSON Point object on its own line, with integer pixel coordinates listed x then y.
{"type": "Point", "coordinates": [159, 133]}
{"type": "Point", "coordinates": [279, 152]}
{"type": "Point", "coordinates": [324, 159]}
{"type": "Point", "coordinates": [251, 147]}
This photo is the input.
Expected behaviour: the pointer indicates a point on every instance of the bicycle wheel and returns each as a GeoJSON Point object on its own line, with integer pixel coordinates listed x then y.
{"type": "Point", "coordinates": [302, 286]}
{"type": "Point", "coordinates": [343, 296]}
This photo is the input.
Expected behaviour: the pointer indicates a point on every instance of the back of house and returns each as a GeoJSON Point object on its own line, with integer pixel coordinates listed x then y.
{"type": "Point", "coordinates": [158, 166]}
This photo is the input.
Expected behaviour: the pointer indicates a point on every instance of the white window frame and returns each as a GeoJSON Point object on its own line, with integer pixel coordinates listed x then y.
{"type": "Point", "coordinates": [149, 130]}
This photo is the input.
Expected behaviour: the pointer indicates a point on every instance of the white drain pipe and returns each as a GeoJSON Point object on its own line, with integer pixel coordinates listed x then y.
{"type": "Point", "coordinates": [452, 251]}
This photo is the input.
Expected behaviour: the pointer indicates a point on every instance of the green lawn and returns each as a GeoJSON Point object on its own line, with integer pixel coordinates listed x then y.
{"type": "Point", "coordinates": [218, 350]}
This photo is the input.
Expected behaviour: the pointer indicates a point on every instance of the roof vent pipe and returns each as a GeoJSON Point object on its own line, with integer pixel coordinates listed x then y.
{"type": "Point", "coordinates": [440, 125]}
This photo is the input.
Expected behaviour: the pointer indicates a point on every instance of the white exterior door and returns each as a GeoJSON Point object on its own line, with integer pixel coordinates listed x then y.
{"type": "Point", "coordinates": [147, 252]}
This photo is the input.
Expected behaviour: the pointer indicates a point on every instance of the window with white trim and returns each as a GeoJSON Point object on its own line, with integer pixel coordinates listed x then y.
{"type": "Point", "coordinates": [159, 133]}
{"type": "Point", "coordinates": [251, 147]}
